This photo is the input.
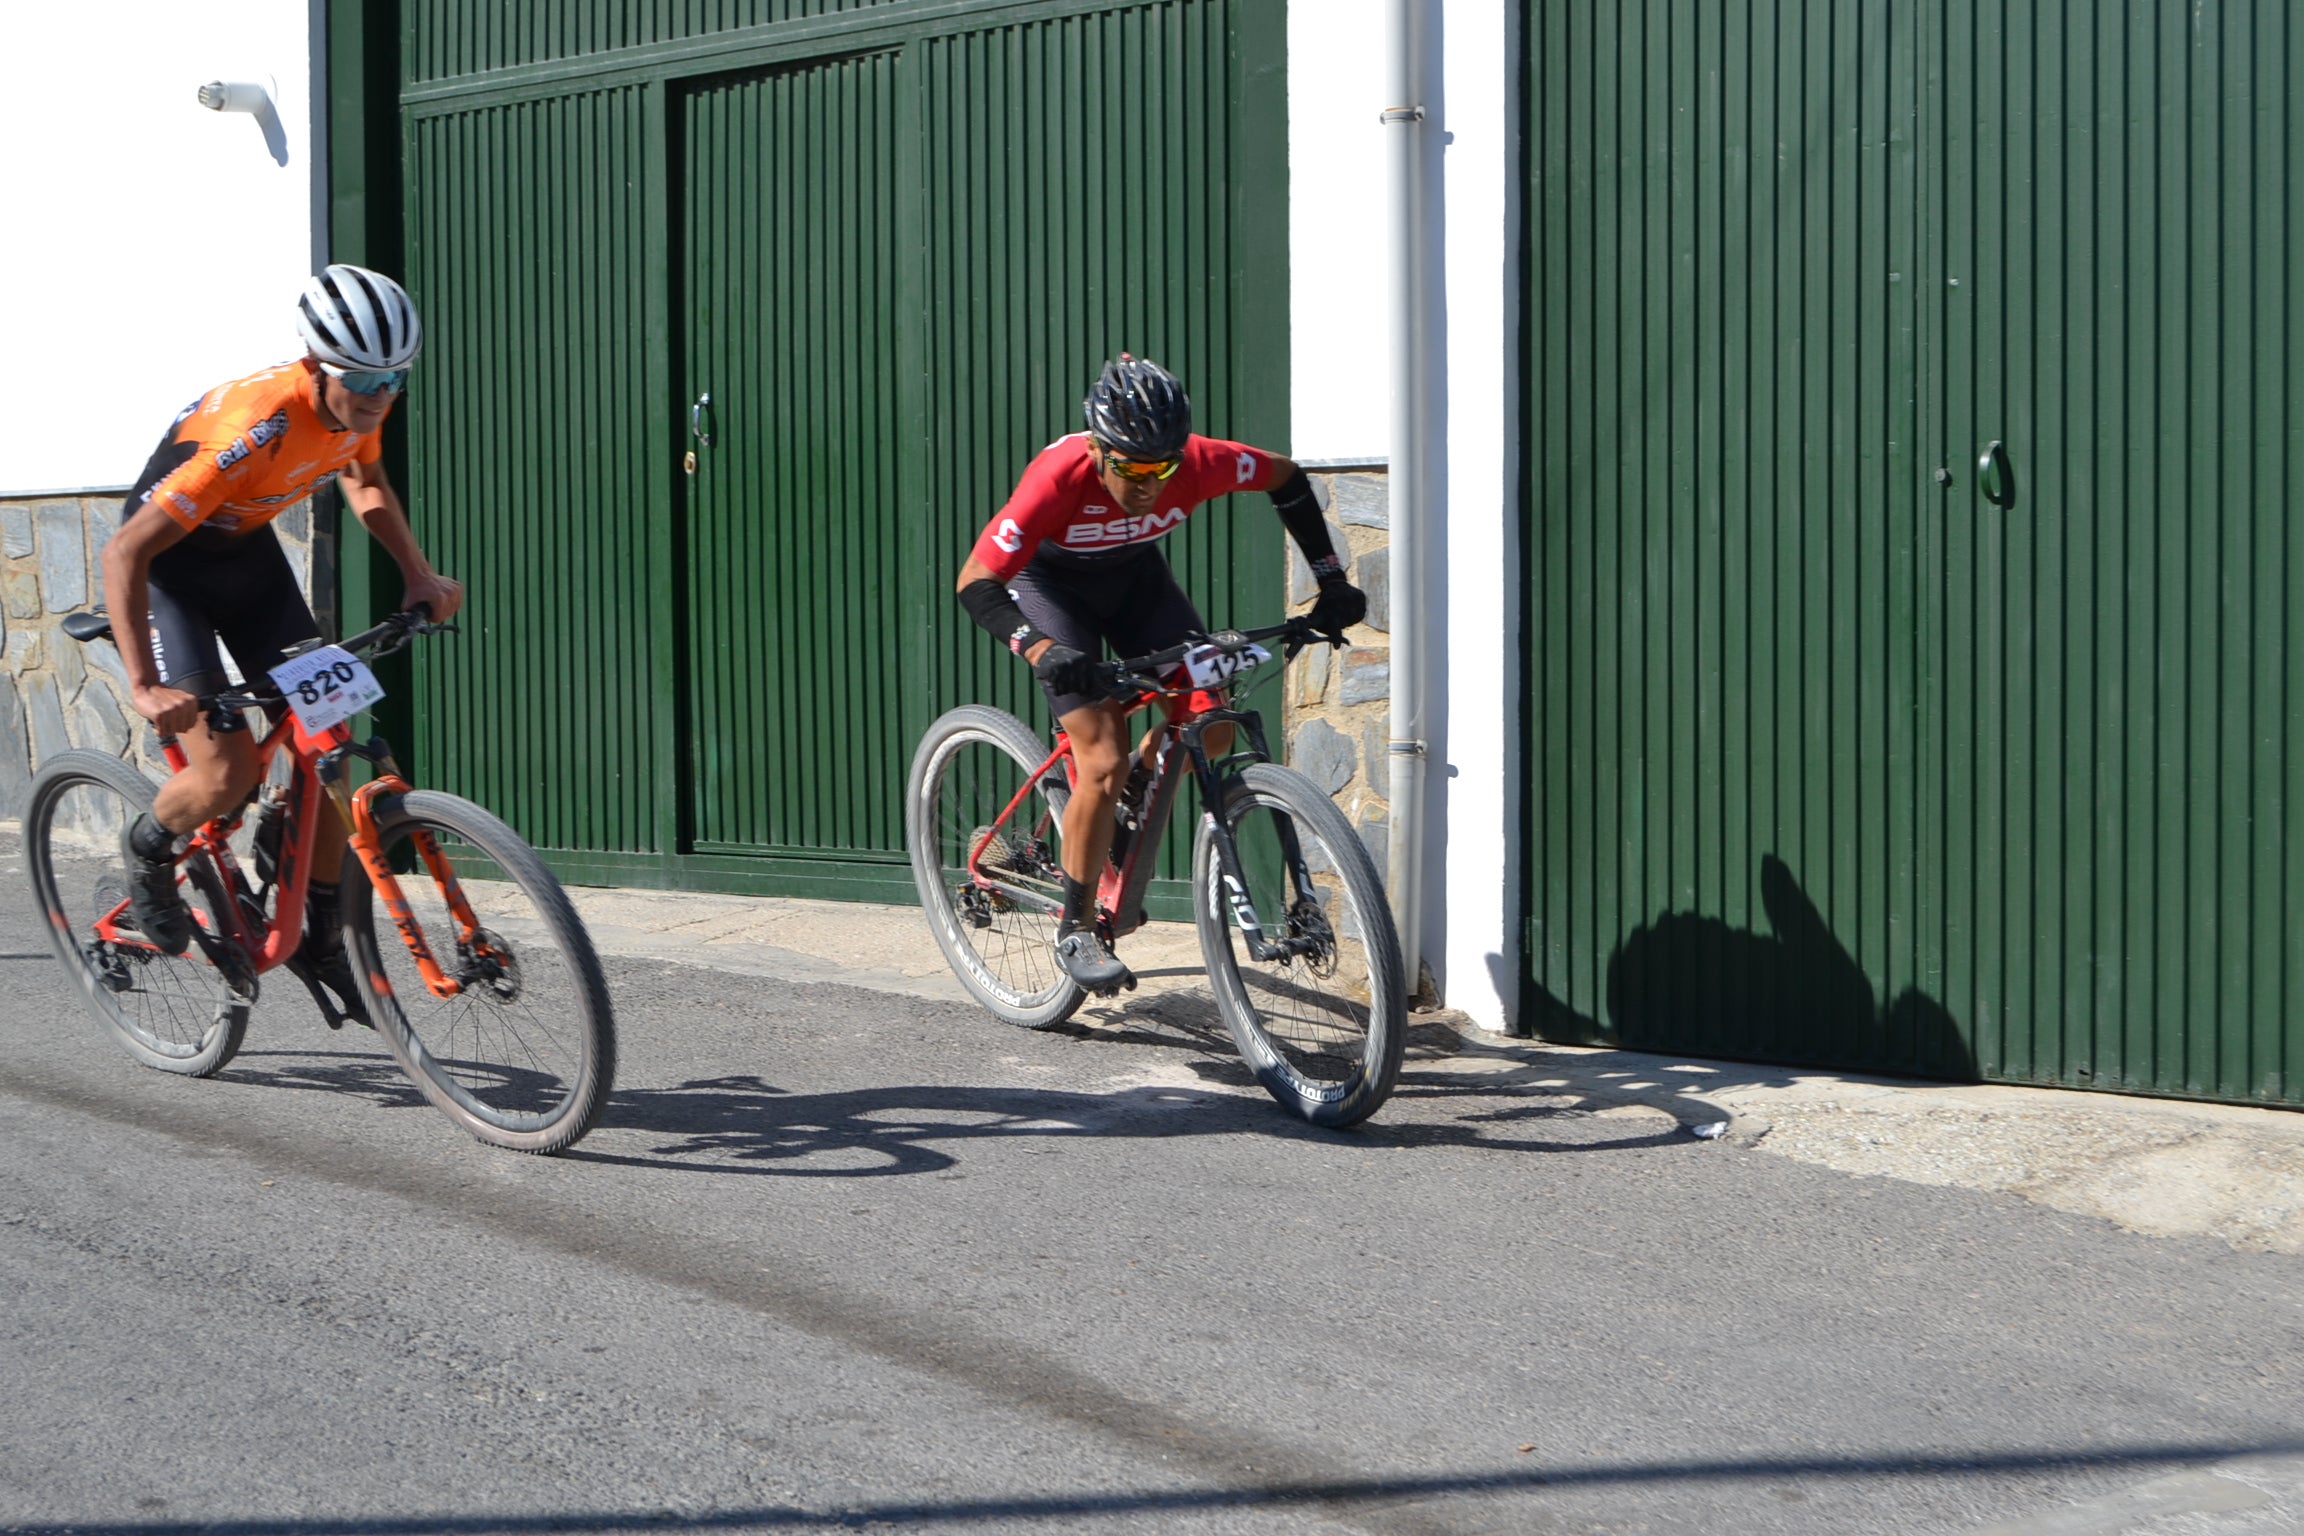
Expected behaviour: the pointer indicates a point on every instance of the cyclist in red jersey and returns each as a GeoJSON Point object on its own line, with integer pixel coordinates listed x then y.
{"type": "Point", "coordinates": [195, 563]}
{"type": "Point", "coordinates": [1072, 564]}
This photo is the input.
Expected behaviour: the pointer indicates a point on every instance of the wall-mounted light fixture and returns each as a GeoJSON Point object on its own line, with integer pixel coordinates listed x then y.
{"type": "Point", "coordinates": [256, 101]}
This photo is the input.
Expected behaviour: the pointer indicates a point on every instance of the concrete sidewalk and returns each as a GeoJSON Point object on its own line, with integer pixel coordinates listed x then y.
{"type": "Point", "coordinates": [2153, 1166]}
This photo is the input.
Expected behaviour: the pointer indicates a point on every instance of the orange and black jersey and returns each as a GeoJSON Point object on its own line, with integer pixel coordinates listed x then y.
{"type": "Point", "coordinates": [247, 451]}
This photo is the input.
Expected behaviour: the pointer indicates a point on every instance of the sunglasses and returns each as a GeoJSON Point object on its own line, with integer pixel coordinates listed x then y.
{"type": "Point", "coordinates": [1137, 469]}
{"type": "Point", "coordinates": [368, 381]}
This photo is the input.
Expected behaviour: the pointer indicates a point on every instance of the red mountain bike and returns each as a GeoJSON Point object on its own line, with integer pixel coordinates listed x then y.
{"type": "Point", "coordinates": [487, 989]}
{"type": "Point", "coordinates": [1291, 916]}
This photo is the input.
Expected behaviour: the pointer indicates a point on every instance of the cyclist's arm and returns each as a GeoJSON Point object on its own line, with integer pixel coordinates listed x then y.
{"type": "Point", "coordinates": [986, 598]}
{"type": "Point", "coordinates": [368, 492]}
{"type": "Point", "coordinates": [1299, 509]}
{"type": "Point", "coordinates": [127, 602]}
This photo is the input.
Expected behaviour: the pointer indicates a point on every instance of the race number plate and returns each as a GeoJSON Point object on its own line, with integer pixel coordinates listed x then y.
{"type": "Point", "coordinates": [1211, 666]}
{"type": "Point", "coordinates": [327, 687]}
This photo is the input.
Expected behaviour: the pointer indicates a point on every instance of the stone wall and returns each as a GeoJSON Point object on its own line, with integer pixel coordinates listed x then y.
{"type": "Point", "coordinates": [1338, 709]}
{"type": "Point", "coordinates": [56, 693]}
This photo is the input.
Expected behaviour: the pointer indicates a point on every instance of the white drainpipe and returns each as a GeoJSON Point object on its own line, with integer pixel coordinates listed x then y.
{"type": "Point", "coordinates": [1411, 227]}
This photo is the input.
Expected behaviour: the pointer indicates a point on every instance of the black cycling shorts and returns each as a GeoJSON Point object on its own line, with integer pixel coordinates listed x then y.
{"type": "Point", "coordinates": [1128, 601]}
{"type": "Point", "coordinates": [209, 588]}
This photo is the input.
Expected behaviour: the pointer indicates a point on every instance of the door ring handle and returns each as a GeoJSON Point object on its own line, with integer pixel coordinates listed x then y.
{"type": "Point", "coordinates": [700, 419]}
{"type": "Point", "coordinates": [1996, 476]}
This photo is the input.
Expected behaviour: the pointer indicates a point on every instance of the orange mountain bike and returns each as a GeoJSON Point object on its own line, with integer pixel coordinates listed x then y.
{"type": "Point", "coordinates": [487, 989]}
{"type": "Point", "coordinates": [1291, 916]}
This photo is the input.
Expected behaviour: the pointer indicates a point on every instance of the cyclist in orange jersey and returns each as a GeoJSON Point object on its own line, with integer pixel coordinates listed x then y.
{"type": "Point", "coordinates": [195, 565]}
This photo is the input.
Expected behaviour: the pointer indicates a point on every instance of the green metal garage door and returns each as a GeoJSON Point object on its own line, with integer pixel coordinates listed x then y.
{"type": "Point", "coordinates": [1832, 758]}
{"type": "Point", "coordinates": [892, 244]}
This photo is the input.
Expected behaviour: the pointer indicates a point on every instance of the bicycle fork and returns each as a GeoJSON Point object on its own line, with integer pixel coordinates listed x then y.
{"type": "Point", "coordinates": [360, 811]}
{"type": "Point", "coordinates": [1229, 869]}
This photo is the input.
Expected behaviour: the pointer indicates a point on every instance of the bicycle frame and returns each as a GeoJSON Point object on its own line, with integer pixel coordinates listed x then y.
{"type": "Point", "coordinates": [318, 760]}
{"type": "Point", "coordinates": [1121, 888]}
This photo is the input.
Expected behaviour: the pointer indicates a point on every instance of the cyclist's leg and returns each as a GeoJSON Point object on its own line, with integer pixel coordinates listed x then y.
{"type": "Point", "coordinates": [1159, 614]}
{"type": "Point", "coordinates": [1099, 733]}
{"type": "Point", "coordinates": [269, 617]}
{"type": "Point", "coordinates": [220, 769]}
{"type": "Point", "coordinates": [184, 651]}
{"type": "Point", "coordinates": [1070, 604]}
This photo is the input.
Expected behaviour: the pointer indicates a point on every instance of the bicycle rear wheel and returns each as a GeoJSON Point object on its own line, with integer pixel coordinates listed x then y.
{"type": "Point", "coordinates": [1323, 1025]}
{"type": "Point", "coordinates": [1001, 943]}
{"type": "Point", "coordinates": [523, 1055]}
{"type": "Point", "coordinates": [178, 1013]}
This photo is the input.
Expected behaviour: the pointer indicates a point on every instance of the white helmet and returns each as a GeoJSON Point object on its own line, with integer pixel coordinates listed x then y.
{"type": "Point", "coordinates": [359, 319]}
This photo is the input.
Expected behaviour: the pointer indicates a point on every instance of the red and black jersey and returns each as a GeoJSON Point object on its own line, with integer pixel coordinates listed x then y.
{"type": "Point", "coordinates": [1061, 501]}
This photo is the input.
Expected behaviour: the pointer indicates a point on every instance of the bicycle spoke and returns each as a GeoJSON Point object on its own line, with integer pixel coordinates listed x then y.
{"type": "Point", "coordinates": [1318, 1013]}
{"type": "Point", "coordinates": [523, 1052]}
{"type": "Point", "coordinates": [176, 1012]}
{"type": "Point", "coordinates": [999, 931]}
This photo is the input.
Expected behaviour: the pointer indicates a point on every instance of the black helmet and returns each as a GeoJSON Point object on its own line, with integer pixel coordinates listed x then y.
{"type": "Point", "coordinates": [1138, 410]}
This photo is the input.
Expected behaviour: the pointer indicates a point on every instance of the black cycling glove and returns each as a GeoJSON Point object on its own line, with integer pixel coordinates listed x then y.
{"type": "Point", "coordinates": [1065, 670]}
{"type": "Point", "coordinates": [1339, 606]}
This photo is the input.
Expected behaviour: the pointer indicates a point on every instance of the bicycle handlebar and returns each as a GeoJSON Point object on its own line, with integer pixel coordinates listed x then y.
{"type": "Point", "coordinates": [377, 640]}
{"type": "Point", "coordinates": [1141, 674]}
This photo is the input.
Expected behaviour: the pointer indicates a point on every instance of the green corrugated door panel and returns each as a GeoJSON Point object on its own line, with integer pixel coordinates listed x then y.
{"type": "Point", "coordinates": [2013, 782]}
{"type": "Point", "coordinates": [528, 251]}
{"type": "Point", "coordinates": [896, 268]}
{"type": "Point", "coordinates": [797, 592]}
{"type": "Point", "coordinates": [2112, 290]}
{"type": "Point", "coordinates": [466, 37]}
{"type": "Point", "coordinates": [1720, 417]}
{"type": "Point", "coordinates": [1100, 216]}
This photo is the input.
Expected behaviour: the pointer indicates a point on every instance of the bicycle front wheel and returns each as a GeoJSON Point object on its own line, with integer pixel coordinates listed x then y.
{"type": "Point", "coordinates": [1322, 1020]}
{"type": "Point", "coordinates": [1000, 940]}
{"type": "Point", "coordinates": [523, 1053]}
{"type": "Point", "coordinates": [179, 1013]}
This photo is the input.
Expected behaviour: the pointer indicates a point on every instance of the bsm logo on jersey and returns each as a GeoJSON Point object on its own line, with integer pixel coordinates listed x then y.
{"type": "Point", "coordinates": [1123, 530]}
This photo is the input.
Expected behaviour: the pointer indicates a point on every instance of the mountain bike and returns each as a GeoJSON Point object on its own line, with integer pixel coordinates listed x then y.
{"type": "Point", "coordinates": [1291, 916]}
{"type": "Point", "coordinates": [486, 988]}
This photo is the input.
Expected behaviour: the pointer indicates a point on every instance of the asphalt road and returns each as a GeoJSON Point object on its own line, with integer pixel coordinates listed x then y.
{"type": "Point", "coordinates": [840, 1259]}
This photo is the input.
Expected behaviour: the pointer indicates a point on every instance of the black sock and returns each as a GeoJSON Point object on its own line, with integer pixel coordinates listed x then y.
{"type": "Point", "coordinates": [150, 841]}
{"type": "Point", "coordinates": [1079, 905]}
{"type": "Point", "coordinates": [323, 913]}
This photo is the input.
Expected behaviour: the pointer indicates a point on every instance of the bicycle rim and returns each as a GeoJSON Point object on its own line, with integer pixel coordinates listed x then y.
{"type": "Point", "coordinates": [1321, 1026]}
{"type": "Point", "coordinates": [178, 1013]}
{"type": "Point", "coordinates": [1000, 941]}
{"type": "Point", "coordinates": [523, 1054]}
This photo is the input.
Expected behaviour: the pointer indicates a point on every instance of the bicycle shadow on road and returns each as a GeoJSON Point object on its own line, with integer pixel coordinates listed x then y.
{"type": "Point", "coordinates": [372, 1076]}
{"type": "Point", "coordinates": [746, 1125]}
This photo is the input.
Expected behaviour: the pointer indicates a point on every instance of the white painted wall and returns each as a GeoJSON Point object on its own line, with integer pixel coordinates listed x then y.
{"type": "Point", "coordinates": [152, 247]}
{"type": "Point", "coordinates": [1340, 273]}
{"type": "Point", "coordinates": [1339, 268]}
{"type": "Point", "coordinates": [1483, 704]}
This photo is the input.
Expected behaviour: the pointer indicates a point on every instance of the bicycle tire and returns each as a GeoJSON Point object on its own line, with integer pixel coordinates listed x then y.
{"type": "Point", "coordinates": [971, 761]}
{"type": "Point", "coordinates": [524, 1056]}
{"type": "Point", "coordinates": [185, 1013]}
{"type": "Point", "coordinates": [1327, 1045]}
